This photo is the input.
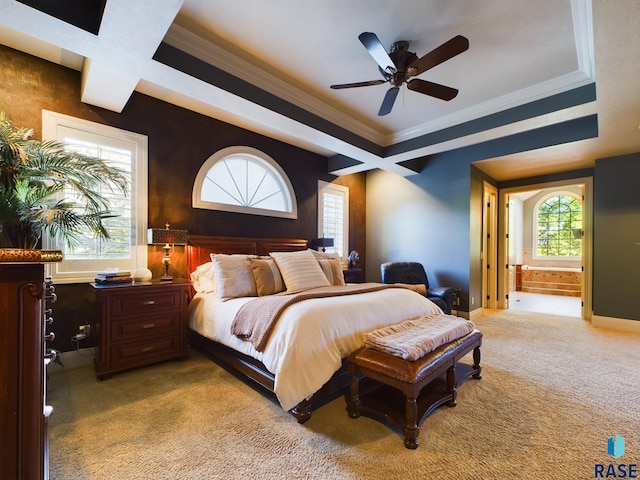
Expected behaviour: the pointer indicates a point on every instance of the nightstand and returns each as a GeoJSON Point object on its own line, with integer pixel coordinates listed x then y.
{"type": "Point", "coordinates": [139, 324]}
{"type": "Point", "coordinates": [353, 275]}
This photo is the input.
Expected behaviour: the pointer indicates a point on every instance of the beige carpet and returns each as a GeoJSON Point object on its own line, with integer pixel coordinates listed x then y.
{"type": "Point", "coordinates": [553, 390]}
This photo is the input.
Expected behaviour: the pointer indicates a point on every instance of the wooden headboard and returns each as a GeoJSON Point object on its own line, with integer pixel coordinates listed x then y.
{"type": "Point", "coordinates": [201, 247]}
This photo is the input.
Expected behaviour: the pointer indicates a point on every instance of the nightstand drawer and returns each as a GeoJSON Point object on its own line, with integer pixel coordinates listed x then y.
{"type": "Point", "coordinates": [137, 353]}
{"type": "Point", "coordinates": [127, 305]}
{"type": "Point", "coordinates": [128, 329]}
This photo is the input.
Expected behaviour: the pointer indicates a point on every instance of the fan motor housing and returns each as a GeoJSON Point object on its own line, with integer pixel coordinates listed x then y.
{"type": "Point", "coordinates": [402, 58]}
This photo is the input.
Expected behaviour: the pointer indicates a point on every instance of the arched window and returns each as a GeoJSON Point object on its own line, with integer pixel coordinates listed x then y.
{"type": "Point", "coordinates": [559, 226]}
{"type": "Point", "coordinates": [244, 180]}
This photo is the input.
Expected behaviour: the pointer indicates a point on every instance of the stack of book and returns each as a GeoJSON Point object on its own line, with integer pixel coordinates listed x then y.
{"type": "Point", "coordinates": [109, 277]}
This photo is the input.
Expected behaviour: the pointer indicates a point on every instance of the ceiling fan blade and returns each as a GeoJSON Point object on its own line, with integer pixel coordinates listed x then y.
{"type": "Point", "coordinates": [377, 51]}
{"type": "Point", "coordinates": [447, 50]}
{"type": "Point", "coordinates": [358, 84]}
{"type": "Point", "coordinates": [389, 100]}
{"type": "Point", "coordinates": [433, 89]}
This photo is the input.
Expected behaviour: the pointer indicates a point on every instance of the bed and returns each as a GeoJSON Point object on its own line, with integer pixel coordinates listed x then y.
{"type": "Point", "coordinates": [301, 360]}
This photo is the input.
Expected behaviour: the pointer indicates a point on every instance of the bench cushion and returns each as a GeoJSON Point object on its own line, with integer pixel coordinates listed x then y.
{"type": "Point", "coordinates": [370, 360]}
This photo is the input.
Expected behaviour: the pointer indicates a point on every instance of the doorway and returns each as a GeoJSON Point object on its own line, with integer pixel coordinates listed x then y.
{"type": "Point", "coordinates": [528, 280]}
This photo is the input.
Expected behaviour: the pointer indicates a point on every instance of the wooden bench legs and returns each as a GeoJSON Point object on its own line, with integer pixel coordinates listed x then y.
{"type": "Point", "coordinates": [407, 392]}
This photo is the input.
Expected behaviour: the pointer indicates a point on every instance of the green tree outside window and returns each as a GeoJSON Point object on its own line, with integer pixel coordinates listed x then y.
{"type": "Point", "coordinates": [560, 227]}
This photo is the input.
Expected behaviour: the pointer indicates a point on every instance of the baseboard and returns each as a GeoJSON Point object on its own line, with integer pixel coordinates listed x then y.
{"type": "Point", "coordinates": [613, 323]}
{"type": "Point", "coordinates": [474, 314]}
{"type": "Point", "coordinates": [82, 357]}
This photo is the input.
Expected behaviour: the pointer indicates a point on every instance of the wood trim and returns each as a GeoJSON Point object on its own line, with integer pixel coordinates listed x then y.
{"type": "Point", "coordinates": [201, 247]}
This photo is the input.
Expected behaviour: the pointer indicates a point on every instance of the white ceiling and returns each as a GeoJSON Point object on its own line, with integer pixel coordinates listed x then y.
{"type": "Point", "coordinates": [520, 51]}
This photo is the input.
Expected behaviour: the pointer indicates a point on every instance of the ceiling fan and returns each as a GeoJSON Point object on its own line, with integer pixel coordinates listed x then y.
{"type": "Point", "coordinates": [399, 65]}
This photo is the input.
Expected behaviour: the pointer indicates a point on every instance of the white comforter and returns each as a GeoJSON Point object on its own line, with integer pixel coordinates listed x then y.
{"type": "Point", "coordinates": [311, 337]}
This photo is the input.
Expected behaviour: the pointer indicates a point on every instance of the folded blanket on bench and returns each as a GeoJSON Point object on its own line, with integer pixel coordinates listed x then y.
{"type": "Point", "coordinates": [413, 339]}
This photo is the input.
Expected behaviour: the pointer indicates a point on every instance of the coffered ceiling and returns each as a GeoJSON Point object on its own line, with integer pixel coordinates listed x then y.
{"type": "Point", "coordinates": [546, 85]}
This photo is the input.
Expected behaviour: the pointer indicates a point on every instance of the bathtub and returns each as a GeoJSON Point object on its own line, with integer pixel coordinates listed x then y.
{"type": "Point", "coordinates": [565, 281]}
{"type": "Point", "coordinates": [552, 269]}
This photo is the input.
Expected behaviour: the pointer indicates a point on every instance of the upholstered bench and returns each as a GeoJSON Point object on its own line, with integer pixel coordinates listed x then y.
{"type": "Point", "coordinates": [419, 386]}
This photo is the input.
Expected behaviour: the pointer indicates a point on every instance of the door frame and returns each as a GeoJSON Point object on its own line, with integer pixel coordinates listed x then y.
{"type": "Point", "coordinates": [489, 253]}
{"type": "Point", "coordinates": [587, 239]}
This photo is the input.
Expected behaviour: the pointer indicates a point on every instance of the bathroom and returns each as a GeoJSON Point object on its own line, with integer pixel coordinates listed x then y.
{"type": "Point", "coordinates": [545, 247]}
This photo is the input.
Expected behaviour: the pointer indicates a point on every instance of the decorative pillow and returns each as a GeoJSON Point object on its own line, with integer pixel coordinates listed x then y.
{"type": "Point", "coordinates": [203, 278]}
{"type": "Point", "coordinates": [233, 276]}
{"type": "Point", "coordinates": [331, 266]}
{"type": "Point", "coordinates": [300, 270]}
{"type": "Point", "coordinates": [332, 270]}
{"type": "Point", "coordinates": [420, 288]}
{"type": "Point", "coordinates": [267, 276]}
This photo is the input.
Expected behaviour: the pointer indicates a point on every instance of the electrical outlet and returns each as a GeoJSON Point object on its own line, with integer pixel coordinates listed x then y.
{"type": "Point", "coordinates": [473, 300]}
{"type": "Point", "coordinates": [85, 329]}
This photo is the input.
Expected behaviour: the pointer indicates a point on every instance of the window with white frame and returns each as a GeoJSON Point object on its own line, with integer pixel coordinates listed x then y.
{"type": "Point", "coordinates": [558, 225]}
{"type": "Point", "coordinates": [126, 247]}
{"type": "Point", "coordinates": [244, 180]}
{"type": "Point", "coordinates": [333, 216]}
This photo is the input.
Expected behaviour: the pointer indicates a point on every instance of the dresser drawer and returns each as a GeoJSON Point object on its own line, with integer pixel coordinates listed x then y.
{"type": "Point", "coordinates": [142, 353]}
{"type": "Point", "coordinates": [128, 305]}
{"type": "Point", "coordinates": [131, 328]}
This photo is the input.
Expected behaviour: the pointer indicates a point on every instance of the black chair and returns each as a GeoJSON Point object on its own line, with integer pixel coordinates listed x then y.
{"type": "Point", "coordinates": [414, 274]}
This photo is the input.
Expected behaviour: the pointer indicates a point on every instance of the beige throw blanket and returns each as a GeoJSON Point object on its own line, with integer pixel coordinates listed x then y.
{"type": "Point", "coordinates": [255, 320]}
{"type": "Point", "coordinates": [413, 339]}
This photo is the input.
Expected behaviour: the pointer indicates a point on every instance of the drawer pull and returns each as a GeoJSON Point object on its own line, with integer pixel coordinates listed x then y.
{"type": "Point", "coordinates": [146, 349]}
{"type": "Point", "coordinates": [149, 302]}
{"type": "Point", "coordinates": [149, 325]}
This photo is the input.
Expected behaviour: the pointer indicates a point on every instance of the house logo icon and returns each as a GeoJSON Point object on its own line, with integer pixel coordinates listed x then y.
{"type": "Point", "coordinates": [615, 446]}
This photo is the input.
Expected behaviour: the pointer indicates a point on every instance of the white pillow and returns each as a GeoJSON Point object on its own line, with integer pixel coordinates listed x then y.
{"type": "Point", "coordinates": [300, 270]}
{"type": "Point", "coordinates": [203, 278]}
{"type": "Point", "coordinates": [233, 276]}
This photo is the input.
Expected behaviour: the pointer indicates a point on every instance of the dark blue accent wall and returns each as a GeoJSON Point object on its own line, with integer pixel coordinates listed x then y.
{"type": "Point", "coordinates": [616, 240]}
{"type": "Point", "coordinates": [571, 98]}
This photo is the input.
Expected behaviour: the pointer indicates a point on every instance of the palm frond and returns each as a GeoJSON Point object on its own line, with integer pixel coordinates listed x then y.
{"type": "Point", "coordinates": [34, 176]}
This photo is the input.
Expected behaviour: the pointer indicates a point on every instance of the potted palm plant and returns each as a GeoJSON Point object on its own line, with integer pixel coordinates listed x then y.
{"type": "Point", "coordinates": [33, 177]}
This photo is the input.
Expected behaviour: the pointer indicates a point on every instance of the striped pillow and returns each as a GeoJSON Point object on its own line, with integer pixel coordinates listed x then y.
{"type": "Point", "coordinates": [331, 266]}
{"type": "Point", "coordinates": [332, 270]}
{"type": "Point", "coordinates": [300, 270]}
{"type": "Point", "coordinates": [267, 276]}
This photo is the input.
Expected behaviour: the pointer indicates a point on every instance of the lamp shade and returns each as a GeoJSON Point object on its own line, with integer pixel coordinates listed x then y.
{"type": "Point", "coordinates": [321, 242]}
{"type": "Point", "coordinates": [162, 236]}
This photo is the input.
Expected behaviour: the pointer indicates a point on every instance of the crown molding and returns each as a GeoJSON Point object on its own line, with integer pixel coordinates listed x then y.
{"type": "Point", "coordinates": [215, 55]}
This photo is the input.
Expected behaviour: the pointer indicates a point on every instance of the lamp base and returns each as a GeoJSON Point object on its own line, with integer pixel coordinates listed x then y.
{"type": "Point", "coordinates": [166, 278]}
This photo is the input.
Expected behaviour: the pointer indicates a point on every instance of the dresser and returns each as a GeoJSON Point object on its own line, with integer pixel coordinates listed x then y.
{"type": "Point", "coordinates": [139, 324]}
{"type": "Point", "coordinates": [25, 314]}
